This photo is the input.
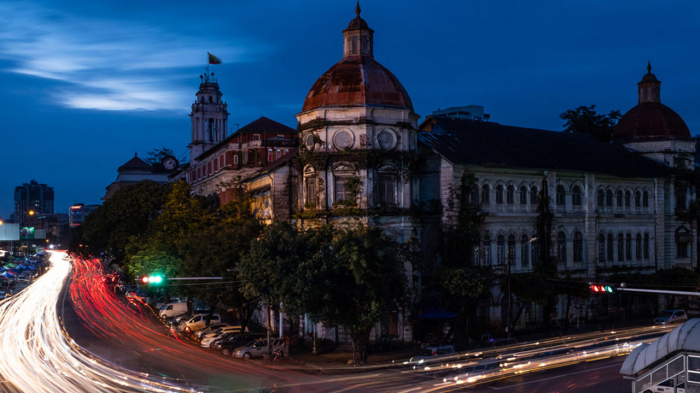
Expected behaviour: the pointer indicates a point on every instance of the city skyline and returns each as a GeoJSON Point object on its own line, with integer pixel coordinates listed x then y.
{"type": "Point", "coordinates": [86, 87]}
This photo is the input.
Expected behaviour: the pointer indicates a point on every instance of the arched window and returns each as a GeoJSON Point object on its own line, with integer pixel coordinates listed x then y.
{"type": "Point", "coordinates": [609, 198]}
{"type": "Point", "coordinates": [619, 198]}
{"type": "Point", "coordinates": [533, 195]}
{"type": "Point", "coordinates": [523, 195]}
{"type": "Point", "coordinates": [645, 199]}
{"type": "Point", "coordinates": [485, 194]}
{"type": "Point", "coordinates": [511, 250]}
{"type": "Point", "coordinates": [628, 247]}
{"type": "Point", "coordinates": [524, 251]}
{"type": "Point", "coordinates": [637, 199]}
{"type": "Point", "coordinates": [638, 247]}
{"type": "Point", "coordinates": [578, 247]}
{"type": "Point", "coordinates": [499, 194]}
{"type": "Point", "coordinates": [683, 239]}
{"type": "Point", "coordinates": [487, 250]}
{"type": "Point", "coordinates": [601, 198]}
{"type": "Point", "coordinates": [628, 199]}
{"type": "Point", "coordinates": [576, 196]}
{"type": "Point", "coordinates": [387, 184]}
{"type": "Point", "coordinates": [561, 246]}
{"type": "Point", "coordinates": [561, 195]}
{"type": "Point", "coordinates": [500, 250]}
{"type": "Point", "coordinates": [510, 195]}
{"type": "Point", "coordinates": [609, 248]}
{"type": "Point", "coordinates": [646, 246]}
{"type": "Point", "coordinates": [310, 198]}
{"type": "Point", "coordinates": [601, 248]}
{"type": "Point", "coordinates": [620, 248]}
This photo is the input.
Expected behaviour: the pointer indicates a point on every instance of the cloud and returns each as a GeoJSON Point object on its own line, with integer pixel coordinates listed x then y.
{"type": "Point", "coordinates": [109, 64]}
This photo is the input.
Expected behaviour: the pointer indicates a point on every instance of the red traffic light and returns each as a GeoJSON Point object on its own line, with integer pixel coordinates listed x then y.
{"type": "Point", "coordinates": [594, 288]}
{"type": "Point", "coordinates": [599, 288]}
{"type": "Point", "coordinates": [144, 279]}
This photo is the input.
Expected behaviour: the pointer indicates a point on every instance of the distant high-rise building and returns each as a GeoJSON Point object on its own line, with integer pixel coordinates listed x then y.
{"type": "Point", "coordinates": [32, 198]}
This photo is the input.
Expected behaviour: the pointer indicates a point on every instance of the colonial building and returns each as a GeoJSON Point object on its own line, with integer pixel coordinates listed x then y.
{"type": "Point", "coordinates": [134, 171]}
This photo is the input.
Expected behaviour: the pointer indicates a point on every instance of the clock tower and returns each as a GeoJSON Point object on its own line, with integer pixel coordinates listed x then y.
{"type": "Point", "coordinates": [209, 117]}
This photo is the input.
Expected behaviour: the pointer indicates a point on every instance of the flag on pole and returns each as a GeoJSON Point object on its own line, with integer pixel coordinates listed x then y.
{"type": "Point", "coordinates": [213, 59]}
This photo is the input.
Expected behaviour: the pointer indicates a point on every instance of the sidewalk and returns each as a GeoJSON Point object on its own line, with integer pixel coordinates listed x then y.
{"type": "Point", "coordinates": [341, 362]}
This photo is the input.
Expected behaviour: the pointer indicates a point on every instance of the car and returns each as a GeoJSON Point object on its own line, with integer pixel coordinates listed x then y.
{"type": "Point", "coordinates": [256, 348]}
{"type": "Point", "coordinates": [671, 316]}
{"type": "Point", "coordinates": [435, 352]}
{"type": "Point", "coordinates": [229, 344]}
{"type": "Point", "coordinates": [172, 309]}
{"type": "Point", "coordinates": [199, 321]}
{"type": "Point", "coordinates": [211, 329]}
{"type": "Point", "coordinates": [209, 339]}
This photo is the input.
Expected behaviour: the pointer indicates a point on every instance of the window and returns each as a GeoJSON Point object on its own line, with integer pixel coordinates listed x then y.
{"type": "Point", "coordinates": [576, 196]}
{"type": "Point", "coordinates": [601, 248]}
{"type": "Point", "coordinates": [523, 195]}
{"type": "Point", "coordinates": [683, 239]}
{"type": "Point", "coordinates": [578, 247]}
{"type": "Point", "coordinates": [354, 45]}
{"type": "Point", "coordinates": [278, 154]}
{"type": "Point", "coordinates": [619, 198]}
{"type": "Point", "coordinates": [235, 159]}
{"type": "Point", "coordinates": [221, 160]}
{"type": "Point", "coordinates": [485, 194]}
{"type": "Point", "coordinates": [256, 137]}
{"type": "Point", "coordinates": [386, 184]}
{"type": "Point", "coordinates": [681, 250]}
{"type": "Point", "coordinates": [680, 198]}
{"type": "Point", "coordinates": [311, 198]}
{"type": "Point", "coordinates": [533, 196]}
{"type": "Point", "coordinates": [645, 199]}
{"type": "Point", "coordinates": [561, 246]}
{"type": "Point", "coordinates": [638, 247]}
{"type": "Point", "coordinates": [510, 195]}
{"type": "Point", "coordinates": [216, 165]}
{"type": "Point", "coordinates": [609, 248]}
{"type": "Point", "coordinates": [628, 199]}
{"type": "Point", "coordinates": [637, 199]}
{"type": "Point", "coordinates": [500, 250]}
{"type": "Point", "coordinates": [511, 250]}
{"type": "Point", "coordinates": [628, 247]}
{"type": "Point", "coordinates": [341, 192]}
{"type": "Point", "coordinates": [475, 255]}
{"type": "Point", "coordinates": [609, 198]}
{"type": "Point", "coordinates": [601, 198]}
{"type": "Point", "coordinates": [524, 251]}
{"type": "Point", "coordinates": [646, 246]}
{"type": "Point", "coordinates": [487, 250]}
{"type": "Point", "coordinates": [270, 155]}
{"type": "Point", "coordinates": [620, 248]}
{"type": "Point", "coordinates": [211, 130]}
{"type": "Point", "coordinates": [499, 194]}
{"type": "Point", "coordinates": [561, 195]}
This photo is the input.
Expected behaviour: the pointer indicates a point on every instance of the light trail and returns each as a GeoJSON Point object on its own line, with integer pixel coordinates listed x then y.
{"type": "Point", "coordinates": [39, 357]}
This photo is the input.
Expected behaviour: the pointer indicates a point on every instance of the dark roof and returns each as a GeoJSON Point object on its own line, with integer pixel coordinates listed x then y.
{"type": "Point", "coordinates": [650, 121]}
{"type": "Point", "coordinates": [135, 164]}
{"type": "Point", "coordinates": [486, 144]}
{"type": "Point", "coordinates": [274, 164]}
{"type": "Point", "coordinates": [259, 126]}
{"type": "Point", "coordinates": [357, 81]}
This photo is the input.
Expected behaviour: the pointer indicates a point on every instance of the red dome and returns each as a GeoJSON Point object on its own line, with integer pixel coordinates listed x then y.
{"type": "Point", "coordinates": [650, 121]}
{"type": "Point", "coordinates": [357, 81]}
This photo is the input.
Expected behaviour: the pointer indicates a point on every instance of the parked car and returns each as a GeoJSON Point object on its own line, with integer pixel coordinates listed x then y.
{"type": "Point", "coordinates": [671, 316]}
{"type": "Point", "coordinates": [257, 348]}
{"type": "Point", "coordinates": [199, 321]}
{"type": "Point", "coordinates": [160, 302]}
{"type": "Point", "coordinates": [172, 309]}
{"type": "Point", "coordinates": [228, 345]}
{"type": "Point", "coordinates": [211, 338]}
{"type": "Point", "coordinates": [211, 329]}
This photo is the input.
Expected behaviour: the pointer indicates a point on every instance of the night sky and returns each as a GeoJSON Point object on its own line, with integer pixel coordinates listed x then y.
{"type": "Point", "coordinates": [84, 85]}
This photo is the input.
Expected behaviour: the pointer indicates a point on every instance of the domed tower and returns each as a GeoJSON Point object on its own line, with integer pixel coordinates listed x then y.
{"type": "Point", "coordinates": [209, 117]}
{"type": "Point", "coordinates": [655, 130]}
{"type": "Point", "coordinates": [357, 129]}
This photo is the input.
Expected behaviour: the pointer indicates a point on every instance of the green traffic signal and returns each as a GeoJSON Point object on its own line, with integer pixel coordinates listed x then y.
{"type": "Point", "coordinates": [153, 279]}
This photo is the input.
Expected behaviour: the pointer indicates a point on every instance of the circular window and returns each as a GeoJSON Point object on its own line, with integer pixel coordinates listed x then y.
{"type": "Point", "coordinates": [343, 140]}
{"type": "Point", "coordinates": [309, 141]}
{"type": "Point", "coordinates": [386, 140]}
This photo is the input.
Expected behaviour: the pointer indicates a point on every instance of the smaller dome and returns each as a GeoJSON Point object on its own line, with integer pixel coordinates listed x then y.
{"type": "Point", "coordinates": [650, 121]}
{"type": "Point", "coordinates": [358, 23]}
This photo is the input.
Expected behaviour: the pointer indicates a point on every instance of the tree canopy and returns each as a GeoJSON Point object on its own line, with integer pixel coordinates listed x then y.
{"type": "Point", "coordinates": [585, 120]}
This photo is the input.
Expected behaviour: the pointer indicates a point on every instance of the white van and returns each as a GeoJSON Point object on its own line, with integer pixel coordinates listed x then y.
{"type": "Point", "coordinates": [172, 309]}
{"type": "Point", "coordinates": [198, 322]}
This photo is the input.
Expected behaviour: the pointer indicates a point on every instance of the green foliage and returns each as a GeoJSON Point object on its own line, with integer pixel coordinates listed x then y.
{"type": "Point", "coordinates": [585, 120]}
{"type": "Point", "coordinates": [460, 240]}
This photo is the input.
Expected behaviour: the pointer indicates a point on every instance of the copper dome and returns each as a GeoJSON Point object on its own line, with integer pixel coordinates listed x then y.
{"type": "Point", "coordinates": [357, 81]}
{"type": "Point", "coordinates": [650, 121]}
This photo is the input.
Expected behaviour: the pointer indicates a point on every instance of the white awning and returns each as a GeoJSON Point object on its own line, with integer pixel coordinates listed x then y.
{"type": "Point", "coordinates": [685, 337]}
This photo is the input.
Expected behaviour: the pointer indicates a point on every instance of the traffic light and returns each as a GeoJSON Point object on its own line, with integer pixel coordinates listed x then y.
{"type": "Point", "coordinates": [153, 279]}
{"type": "Point", "coordinates": [603, 289]}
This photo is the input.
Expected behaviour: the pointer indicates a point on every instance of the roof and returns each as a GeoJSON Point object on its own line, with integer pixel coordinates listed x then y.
{"type": "Point", "coordinates": [135, 164]}
{"type": "Point", "coordinates": [650, 121]}
{"type": "Point", "coordinates": [260, 126]}
{"type": "Point", "coordinates": [487, 144]}
{"type": "Point", "coordinates": [685, 337]}
{"type": "Point", "coordinates": [357, 81]}
{"type": "Point", "coordinates": [274, 164]}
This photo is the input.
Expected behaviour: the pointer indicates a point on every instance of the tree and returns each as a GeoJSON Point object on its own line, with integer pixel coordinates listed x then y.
{"type": "Point", "coordinates": [156, 155]}
{"type": "Point", "coordinates": [585, 120]}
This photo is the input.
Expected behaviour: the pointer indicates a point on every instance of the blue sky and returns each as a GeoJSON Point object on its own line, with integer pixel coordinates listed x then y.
{"type": "Point", "coordinates": [85, 85]}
